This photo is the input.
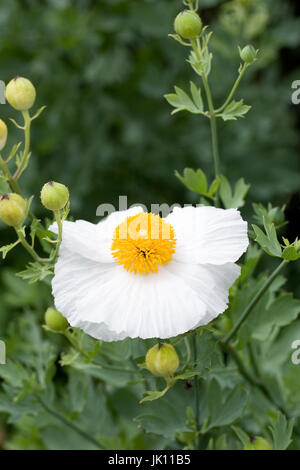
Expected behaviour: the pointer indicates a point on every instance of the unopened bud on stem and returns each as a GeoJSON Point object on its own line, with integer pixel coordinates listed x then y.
{"type": "Point", "coordinates": [55, 320]}
{"type": "Point", "coordinates": [20, 93]}
{"type": "Point", "coordinates": [13, 209]}
{"type": "Point", "coordinates": [3, 134]}
{"type": "Point", "coordinates": [162, 360]}
{"type": "Point", "coordinates": [248, 54]}
{"type": "Point", "coordinates": [188, 24]}
{"type": "Point", "coordinates": [54, 196]}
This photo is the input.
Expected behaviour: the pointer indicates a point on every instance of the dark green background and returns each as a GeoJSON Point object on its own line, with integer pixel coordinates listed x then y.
{"type": "Point", "coordinates": [102, 67]}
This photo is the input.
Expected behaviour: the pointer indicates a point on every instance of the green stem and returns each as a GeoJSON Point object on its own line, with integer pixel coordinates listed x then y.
{"type": "Point", "coordinates": [188, 349]}
{"type": "Point", "coordinates": [229, 348]}
{"type": "Point", "coordinates": [196, 390]}
{"type": "Point", "coordinates": [253, 360]}
{"type": "Point", "coordinates": [212, 114]}
{"type": "Point", "coordinates": [13, 184]}
{"type": "Point", "coordinates": [59, 237]}
{"type": "Point", "coordinates": [72, 426]}
{"type": "Point", "coordinates": [27, 124]}
{"type": "Point", "coordinates": [76, 346]}
{"type": "Point", "coordinates": [254, 301]}
{"type": "Point", "coordinates": [213, 127]}
{"type": "Point", "coordinates": [29, 248]}
{"type": "Point", "coordinates": [234, 88]}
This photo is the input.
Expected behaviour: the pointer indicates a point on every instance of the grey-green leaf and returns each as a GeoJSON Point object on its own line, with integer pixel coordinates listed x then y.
{"type": "Point", "coordinates": [234, 110]}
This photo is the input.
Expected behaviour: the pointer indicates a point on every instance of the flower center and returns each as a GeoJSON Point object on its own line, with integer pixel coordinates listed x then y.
{"type": "Point", "coordinates": [143, 242]}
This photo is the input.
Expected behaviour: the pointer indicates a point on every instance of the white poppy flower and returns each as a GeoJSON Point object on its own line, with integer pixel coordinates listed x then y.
{"type": "Point", "coordinates": [137, 275]}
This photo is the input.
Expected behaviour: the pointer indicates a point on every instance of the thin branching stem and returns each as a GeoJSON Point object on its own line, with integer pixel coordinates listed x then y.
{"type": "Point", "coordinates": [255, 382]}
{"type": "Point", "coordinates": [27, 125]}
{"type": "Point", "coordinates": [234, 88]}
{"type": "Point", "coordinates": [72, 426]}
{"type": "Point", "coordinates": [196, 46]}
{"type": "Point", "coordinates": [254, 301]}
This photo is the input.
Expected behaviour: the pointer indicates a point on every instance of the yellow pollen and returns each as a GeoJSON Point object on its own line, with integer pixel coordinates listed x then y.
{"type": "Point", "coordinates": [143, 242]}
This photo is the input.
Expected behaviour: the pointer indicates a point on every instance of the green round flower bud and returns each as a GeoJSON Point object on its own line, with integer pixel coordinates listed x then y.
{"type": "Point", "coordinates": [258, 443]}
{"type": "Point", "coordinates": [188, 24]}
{"type": "Point", "coordinates": [54, 196]}
{"type": "Point", "coordinates": [55, 321]}
{"type": "Point", "coordinates": [248, 54]}
{"type": "Point", "coordinates": [20, 93]}
{"type": "Point", "coordinates": [226, 323]}
{"type": "Point", "coordinates": [162, 360]}
{"type": "Point", "coordinates": [3, 134]}
{"type": "Point", "coordinates": [13, 209]}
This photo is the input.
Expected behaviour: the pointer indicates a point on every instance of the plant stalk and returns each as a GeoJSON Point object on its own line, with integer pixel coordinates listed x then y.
{"type": "Point", "coordinates": [253, 302]}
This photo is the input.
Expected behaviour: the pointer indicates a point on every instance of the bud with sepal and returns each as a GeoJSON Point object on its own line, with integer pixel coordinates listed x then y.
{"type": "Point", "coordinates": [20, 93]}
{"type": "Point", "coordinates": [162, 360]}
{"type": "Point", "coordinates": [13, 209]}
{"type": "Point", "coordinates": [188, 24]}
{"type": "Point", "coordinates": [248, 54]}
{"type": "Point", "coordinates": [55, 320]}
{"type": "Point", "coordinates": [3, 134]}
{"type": "Point", "coordinates": [54, 196]}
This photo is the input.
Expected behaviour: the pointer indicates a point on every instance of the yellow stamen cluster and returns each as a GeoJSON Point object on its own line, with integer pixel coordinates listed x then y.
{"type": "Point", "coordinates": [143, 242]}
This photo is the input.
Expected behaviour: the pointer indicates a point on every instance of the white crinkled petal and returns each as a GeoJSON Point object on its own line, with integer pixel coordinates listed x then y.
{"type": "Point", "coordinates": [210, 282]}
{"type": "Point", "coordinates": [110, 304]}
{"type": "Point", "coordinates": [208, 235]}
{"type": "Point", "coordinates": [93, 241]}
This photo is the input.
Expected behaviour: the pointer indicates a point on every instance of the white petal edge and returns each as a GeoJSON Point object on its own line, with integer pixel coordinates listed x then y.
{"type": "Point", "coordinates": [208, 235]}
{"type": "Point", "coordinates": [93, 241]}
{"type": "Point", "coordinates": [210, 282]}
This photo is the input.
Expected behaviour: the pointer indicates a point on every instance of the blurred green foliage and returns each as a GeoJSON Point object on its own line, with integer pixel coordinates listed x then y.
{"type": "Point", "coordinates": [102, 67]}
